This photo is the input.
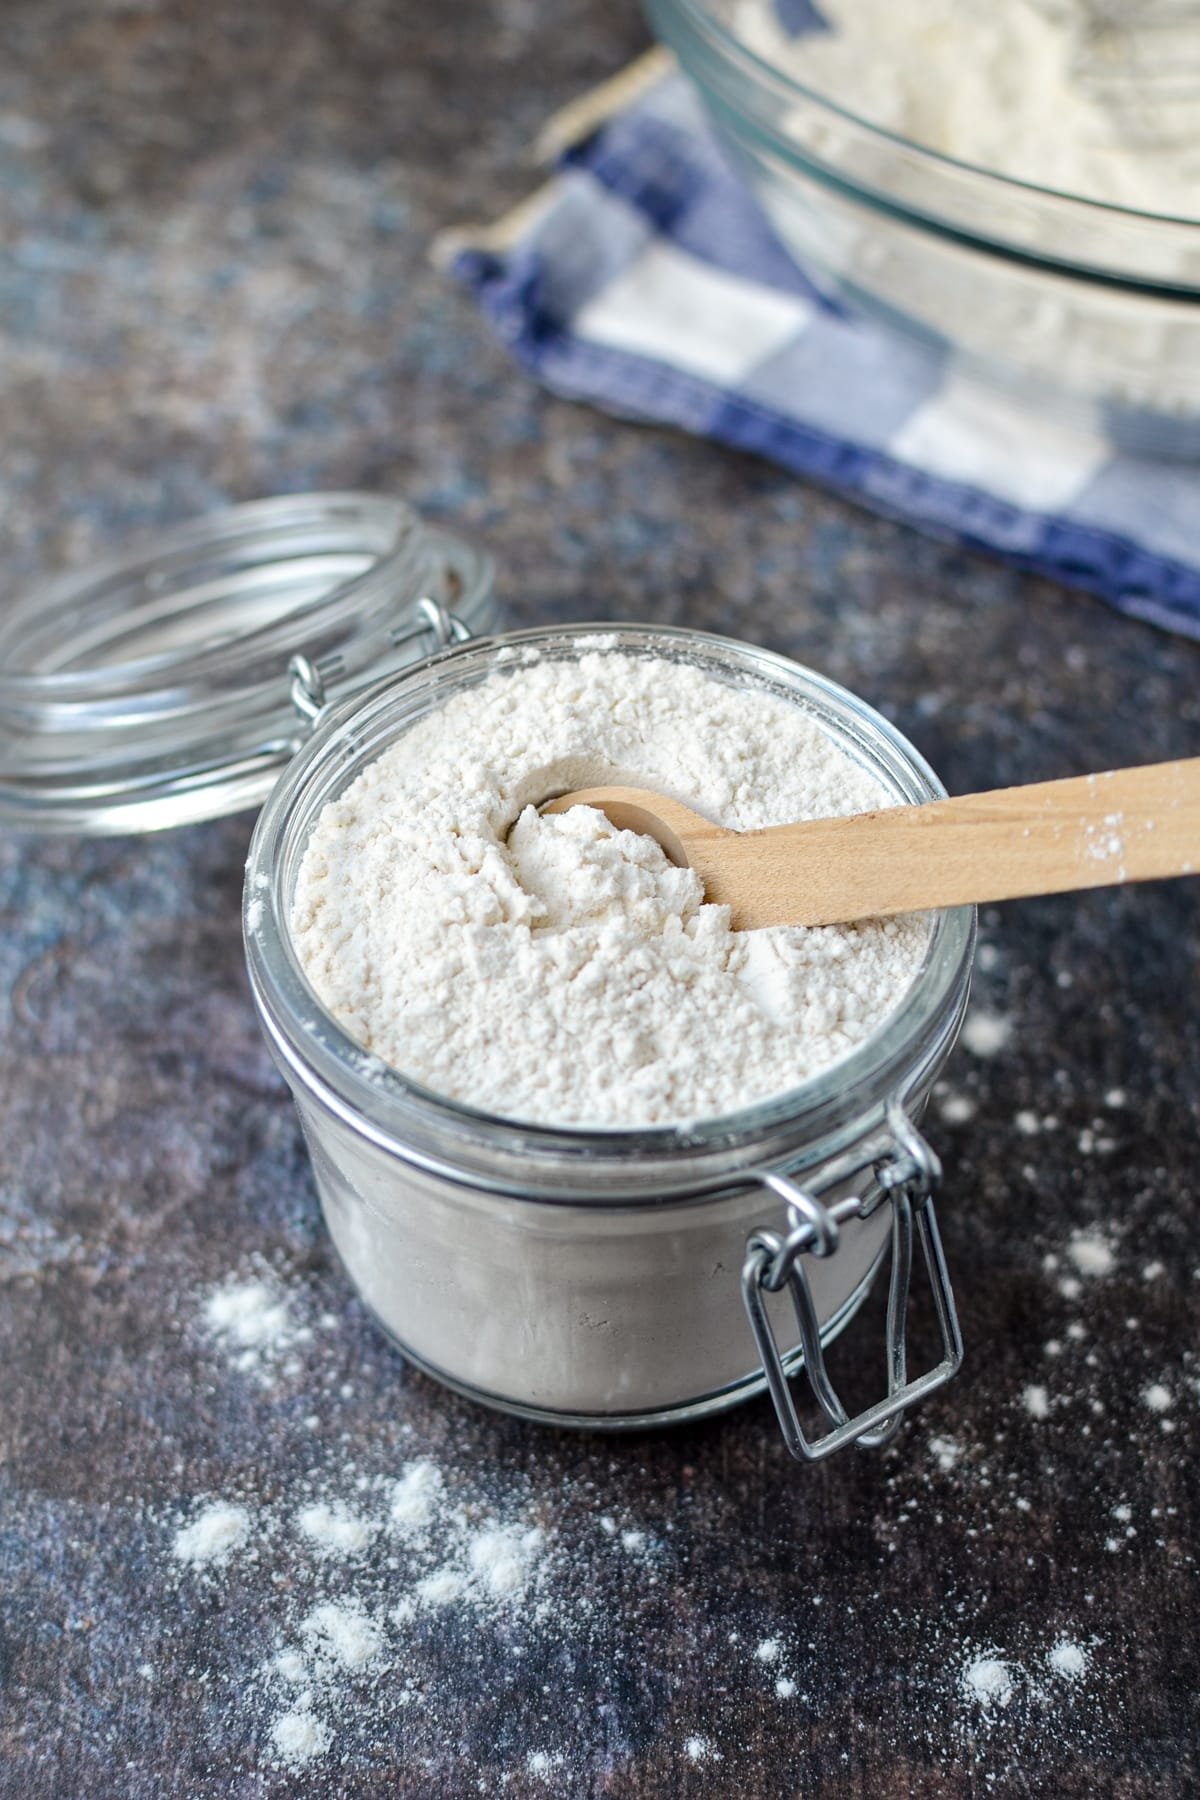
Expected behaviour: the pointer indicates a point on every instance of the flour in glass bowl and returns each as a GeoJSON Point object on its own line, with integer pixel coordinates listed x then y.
{"type": "Point", "coordinates": [554, 969]}
{"type": "Point", "coordinates": [1000, 87]}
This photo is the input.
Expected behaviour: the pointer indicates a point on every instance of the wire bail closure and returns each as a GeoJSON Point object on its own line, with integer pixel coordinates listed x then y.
{"type": "Point", "coordinates": [309, 681]}
{"type": "Point", "coordinates": [906, 1178]}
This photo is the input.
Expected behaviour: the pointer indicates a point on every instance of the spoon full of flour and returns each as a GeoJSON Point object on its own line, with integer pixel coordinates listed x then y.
{"type": "Point", "coordinates": [1051, 837]}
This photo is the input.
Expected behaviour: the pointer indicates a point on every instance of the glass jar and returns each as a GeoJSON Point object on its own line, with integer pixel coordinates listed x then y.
{"type": "Point", "coordinates": [617, 1278]}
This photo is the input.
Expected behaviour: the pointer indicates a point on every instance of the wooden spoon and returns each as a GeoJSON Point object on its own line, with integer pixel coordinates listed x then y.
{"type": "Point", "coordinates": [1051, 838]}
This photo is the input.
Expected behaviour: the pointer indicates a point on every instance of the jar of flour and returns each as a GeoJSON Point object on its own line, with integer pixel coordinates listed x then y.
{"type": "Point", "coordinates": [587, 1154]}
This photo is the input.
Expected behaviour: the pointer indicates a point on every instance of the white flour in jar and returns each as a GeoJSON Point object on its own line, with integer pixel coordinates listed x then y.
{"type": "Point", "coordinates": [554, 969]}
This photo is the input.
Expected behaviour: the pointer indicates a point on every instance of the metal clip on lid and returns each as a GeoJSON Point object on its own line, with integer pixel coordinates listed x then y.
{"type": "Point", "coordinates": [906, 1178]}
{"type": "Point", "coordinates": [308, 681]}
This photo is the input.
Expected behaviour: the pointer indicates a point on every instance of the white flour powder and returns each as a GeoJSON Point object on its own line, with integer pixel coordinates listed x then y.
{"type": "Point", "coordinates": [318, 1623]}
{"type": "Point", "coordinates": [556, 969]}
{"type": "Point", "coordinates": [214, 1534]}
{"type": "Point", "coordinates": [998, 86]}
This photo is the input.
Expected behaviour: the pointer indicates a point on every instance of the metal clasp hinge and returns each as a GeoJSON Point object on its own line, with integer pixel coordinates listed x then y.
{"type": "Point", "coordinates": [308, 681]}
{"type": "Point", "coordinates": [906, 1178]}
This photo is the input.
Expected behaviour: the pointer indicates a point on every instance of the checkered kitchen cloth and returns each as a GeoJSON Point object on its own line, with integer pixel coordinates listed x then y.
{"type": "Point", "coordinates": [644, 279]}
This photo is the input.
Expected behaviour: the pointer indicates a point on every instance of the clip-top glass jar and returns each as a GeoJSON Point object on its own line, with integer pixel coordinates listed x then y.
{"type": "Point", "coordinates": [601, 1278]}
{"type": "Point", "coordinates": [616, 1278]}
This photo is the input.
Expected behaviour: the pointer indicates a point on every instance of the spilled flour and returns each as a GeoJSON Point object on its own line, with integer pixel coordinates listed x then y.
{"type": "Point", "coordinates": [213, 1535]}
{"type": "Point", "coordinates": [553, 968]}
{"type": "Point", "coordinates": [442, 1554]}
{"type": "Point", "coordinates": [252, 1323]}
{"type": "Point", "coordinates": [398, 1586]}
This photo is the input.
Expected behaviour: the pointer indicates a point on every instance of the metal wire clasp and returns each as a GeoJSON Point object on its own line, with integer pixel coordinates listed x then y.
{"type": "Point", "coordinates": [906, 1177]}
{"type": "Point", "coordinates": [308, 681]}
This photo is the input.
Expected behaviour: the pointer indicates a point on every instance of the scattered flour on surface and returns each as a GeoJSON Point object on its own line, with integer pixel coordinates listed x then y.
{"type": "Point", "coordinates": [441, 1588]}
{"type": "Point", "coordinates": [501, 1558]}
{"type": "Point", "coordinates": [334, 1529]}
{"type": "Point", "coordinates": [985, 1034]}
{"type": "Point", "coordinates": [403, 1557]}
{"type": "Point", "coordinates": [415, 1500]}
{"type": "Point", "coordinates": [552, 968]}
{"type": "Point", "coordinates": [342, 1632]}
{"type": "Point", "coordinates": [249, 1314]}
{"type": "Point", "coordinates": [957, 1109]}
{"type": "Point", "coordinates": [253, 1323]}
{"type": "Point", "coordinates": [299, 1737]}
{"type": "Point", "coordinates": [291, 1666]}
{"type": "Point", "coordinates": [1091, 1252]}
{"type": "Point", "coordinates": [1068, 1659]}
{"type": "Point", "coordinates": [214, 1534]}
{"type": "Point", "coordinates": [988, 1681]}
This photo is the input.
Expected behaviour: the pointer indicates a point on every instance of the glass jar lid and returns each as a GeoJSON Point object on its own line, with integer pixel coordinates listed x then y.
{"type": "Point", "coordinates": [173, 683]}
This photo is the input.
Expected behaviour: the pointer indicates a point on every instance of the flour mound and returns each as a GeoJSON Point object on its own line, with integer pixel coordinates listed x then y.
{"type": "Point", "coordinates": [555, 969]}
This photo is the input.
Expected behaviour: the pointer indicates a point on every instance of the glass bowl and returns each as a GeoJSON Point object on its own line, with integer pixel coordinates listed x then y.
{"type": "Point", "coordinates": [1085, 312]}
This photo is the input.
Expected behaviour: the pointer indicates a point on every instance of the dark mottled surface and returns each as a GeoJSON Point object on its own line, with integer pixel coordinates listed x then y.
{"type": "Point", "coordinates": [213, 283]}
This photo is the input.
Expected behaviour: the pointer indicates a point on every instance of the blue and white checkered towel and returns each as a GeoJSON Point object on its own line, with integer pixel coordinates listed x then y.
{"type": "Point", "coordinates": [646, 280]}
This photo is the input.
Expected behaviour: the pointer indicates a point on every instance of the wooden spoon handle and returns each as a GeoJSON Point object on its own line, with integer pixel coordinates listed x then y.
{"type": "Point", "coordinates": [1050, 838]}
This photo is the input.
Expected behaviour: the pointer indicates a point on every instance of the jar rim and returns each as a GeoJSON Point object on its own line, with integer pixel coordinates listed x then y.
{"type": "Point", "coordinates": [464, 1143]}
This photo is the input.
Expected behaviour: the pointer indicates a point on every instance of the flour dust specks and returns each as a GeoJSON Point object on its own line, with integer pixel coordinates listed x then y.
{"type": "Point", "coordinates": [1037, 1401]}
{"type": "Point", "coordinates": [215, 1533]}
{"type": "Point", "coordinates": [947, 1452]}
{"type": "Point", "coordinates": [1091, 1252]}
{"type": "Point", "coordinates": [985, 1034]}
{"type": "Point", "coordinates": [252, 1320]}
{"type": "Point", "coordinates": [343, 1633]}
{"type": "Point", "coordinates": [988, 1681]}
{"type": "Point", "coordinates": [1068, 1659]}
{"type": "Point", "coordinates": [335, 1530]}
{"type": "Point", "coordinates": [249, 1315]}
{"type": "Point", "coordinates": [300, 1738]}
{"type": "Point", "coordinates": [415, 1500]}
